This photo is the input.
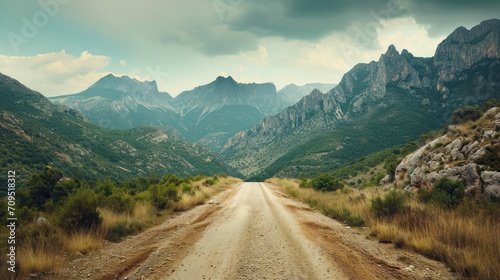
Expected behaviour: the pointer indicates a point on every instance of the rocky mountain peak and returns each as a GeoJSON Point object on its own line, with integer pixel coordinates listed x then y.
{"type": "Point", "coordinates": [228, 80]}
{"type": "Point", "coordinates": [126, 84]}
{"type": "Point", "coordinates": [315, 92]}
{"type": "Point", "coordinates": [464, 47]}
{"type": "Point", "coordinates": [391, 52]}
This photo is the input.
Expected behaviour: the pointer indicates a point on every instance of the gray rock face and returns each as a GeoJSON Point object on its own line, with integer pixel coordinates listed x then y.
{"type": "Point", "coordinates": [454, 159]}
{"type": "Point", "coordinates": [466, 47]}
{"type": "Point", "coordinates": [492, 183]}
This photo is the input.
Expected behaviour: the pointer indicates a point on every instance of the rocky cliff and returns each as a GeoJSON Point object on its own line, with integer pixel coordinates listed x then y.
{"type": "Point", "coordinates": [468, 152]}
{"type": "Point", "coordinates": [214, 112]}
{"type": "Point", "coordinates": [464, 71]}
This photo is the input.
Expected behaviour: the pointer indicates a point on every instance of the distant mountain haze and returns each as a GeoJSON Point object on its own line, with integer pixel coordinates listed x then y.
{"type": "Point", "coordinates": [209, 114]}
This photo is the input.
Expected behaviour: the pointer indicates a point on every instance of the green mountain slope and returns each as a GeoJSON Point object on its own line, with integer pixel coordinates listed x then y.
{"type": "Point", "coordinates": [35, 133]}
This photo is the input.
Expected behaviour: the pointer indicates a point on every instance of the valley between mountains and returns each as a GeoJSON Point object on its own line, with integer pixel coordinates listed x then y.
{"type": "Point", "coordinates": [251, 231]}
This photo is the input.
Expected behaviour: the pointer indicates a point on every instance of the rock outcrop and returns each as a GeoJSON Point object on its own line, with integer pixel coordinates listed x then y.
{"type": "Point", "coordinates": [461, 154]}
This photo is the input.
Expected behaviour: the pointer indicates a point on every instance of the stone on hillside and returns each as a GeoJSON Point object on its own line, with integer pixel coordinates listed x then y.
{"type": "Point", "coordinates": [472, 179]}
{"type": "Point", "coordinates": [413, 159]}
{"type": "Point", "coordinates": [470, 149]}
{"type": "Point", "coordinates": [497, 125]}
{"type": "Point", "coordinates": [491, 181]}
{"type": "Point", "coordinates": [385, 180]}
{"type": "Point", "coordinates": [478, 154]}
{"type": "Point", "coordinates": [453, 173]}
{"type": "Point", "coordinates": [488, 134]}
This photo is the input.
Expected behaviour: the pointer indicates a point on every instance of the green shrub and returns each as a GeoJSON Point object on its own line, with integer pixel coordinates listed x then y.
{"type": "Point", "coordinates": [80, 211]}
{"type": "Point", "coordinates": [209, 182]}
{"type": "Point", "coordinates": [120, 202]}
{"type": "Point", "coordinates": [465, 114]}
{"type": "Point", "coordinates": [305, 183]}
{"type": "Point", "coordinates": [390, 164]}
{"type": "Point", "coordinates": [446, 193]}
{"type": "Point", "coordinates": [170, 179]}
{"type": "Point", "coordinates": [163, 195]}
{"type": "Point", "coordinates": [392, 203]}
{"type": "Point", "coordinates": [491, 103]}
{"type": "Point", "coordinates": [187, 188]}
{"type": "Point", "coordinates": [326, 182]}
{"type": "Point", "coordinates": [106, 187]}
{"type": "Point", "coordinates": [41, 186]}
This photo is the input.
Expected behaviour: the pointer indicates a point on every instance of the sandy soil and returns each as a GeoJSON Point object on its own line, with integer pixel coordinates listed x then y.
{"type": "Point", "coordinates": [252, 231]}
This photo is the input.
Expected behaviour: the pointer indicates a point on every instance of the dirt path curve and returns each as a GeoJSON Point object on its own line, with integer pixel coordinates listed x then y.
{"type": "Point", "coordinates": [252, 231]}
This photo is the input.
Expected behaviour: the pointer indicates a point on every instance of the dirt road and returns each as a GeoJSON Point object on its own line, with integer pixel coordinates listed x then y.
{"type": "Point", "coordinates": [252, 231]}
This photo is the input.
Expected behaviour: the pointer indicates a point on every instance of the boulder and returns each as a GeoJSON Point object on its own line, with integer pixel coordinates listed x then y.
{"type": "Point", "coordinates": [385, 180]}
{"type": "Point", "coordinates": [452, 173]}
{"type": "Point", "coordinates": [411, 161]}
{"type": "Point", "coordinates": [470, 149]}
{"type": "Point", "coordinates": [478, 154]}
{"type": "Point", "coordinates": [454, 149]}
{"type": "Point", "coordinates": [488, 134]}
{"type": "Point", "coordinates": [472, 179]}
{"type": "Point", "coordinates": [41, 220]}
{"type": "Point", "coordinates": [491, 181]}
{"type": "Point", "coordinates": [418, 177]}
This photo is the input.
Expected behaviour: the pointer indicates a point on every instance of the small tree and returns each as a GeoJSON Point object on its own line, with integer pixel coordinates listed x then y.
{"type": "Point", "coordinates": [80, 211]}
{"type": "Point", "coordinates": [41, 186]}
{"type": "Point", "coordinates": [392, 203]}
{"type": "Point", "coordinates": [326, 182]}
{"type": "Point", "coordinates": [446, 193]}
{"type": "Point", "coordinates": [390, 165]}
{"type": "Point", "coordinates": [162, 195]}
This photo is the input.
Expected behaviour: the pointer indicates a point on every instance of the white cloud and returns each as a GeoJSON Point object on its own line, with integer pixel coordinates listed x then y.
{"type": "Point", "coordinates": [55, 73]}
{"type": "Point", "coordinates": [405, 33]}
{"type": "Point", "coordinates": [123, 62]}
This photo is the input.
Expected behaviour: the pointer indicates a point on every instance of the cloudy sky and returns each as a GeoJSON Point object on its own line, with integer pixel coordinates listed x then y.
{"type": "Point", "coordinates": [63, 46]}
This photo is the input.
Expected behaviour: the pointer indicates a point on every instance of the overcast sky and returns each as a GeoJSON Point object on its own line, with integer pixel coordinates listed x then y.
{"type": "Point", "coordinates": [63, 46]}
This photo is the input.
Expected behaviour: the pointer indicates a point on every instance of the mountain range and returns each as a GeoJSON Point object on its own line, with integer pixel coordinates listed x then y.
{"type": "Point", "coordinates": [209, 114]}
{"type": "Point", "coordinates": [257, 130]}
{"type": "Point", "coordinates": [35, 133]}
{"type": "Point", "coordinates": [376, 105]}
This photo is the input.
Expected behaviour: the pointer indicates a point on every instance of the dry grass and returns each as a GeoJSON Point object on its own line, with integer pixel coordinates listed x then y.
{"type": "Point", "coordinates": [84, 241]}
{"type": "Point", "coordinates": [144, 213]}
{"type": "Point", "coordinates": [188, 201]}
{"type": "Point", "coordinates": [40, 249]}
{"type": "Point", "coordinates": [469, 243]}
{"type": "Point", "coordinates": [43, 247]}
{"type": "Point", "coordinates": [201, 192]}
{"type": "Point", "coordinates": [39, 260]}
